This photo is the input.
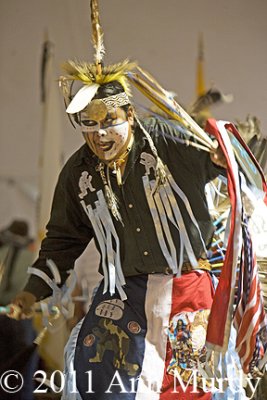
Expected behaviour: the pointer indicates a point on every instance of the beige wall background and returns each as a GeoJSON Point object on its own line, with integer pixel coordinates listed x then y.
{"type": "Point", "coordinates": [161, 35]}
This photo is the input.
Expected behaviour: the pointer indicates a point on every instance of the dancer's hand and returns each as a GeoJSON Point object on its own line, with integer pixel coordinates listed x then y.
{"type": "Point", "coordinates": [218, 158]}
{"type": "Point", "coordinates": [21, 306]}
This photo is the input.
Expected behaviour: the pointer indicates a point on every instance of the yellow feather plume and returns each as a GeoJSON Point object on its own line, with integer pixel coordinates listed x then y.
{"type": "Point", "coordinates": [89, 74]}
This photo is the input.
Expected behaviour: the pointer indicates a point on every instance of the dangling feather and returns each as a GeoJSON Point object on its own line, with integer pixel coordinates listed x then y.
{"type": "Point", "coordinates": [112, 202]}
{"type": "Point", "coordinates": [110, 197]}
{"type": "Point", "coordinates": [209, 98]}
{"type": "Point", "coordinates": [97, 35]}
{"type": "Point", "coordinates": [249, 128]}
{"type": "Point", "coordinates": [65, 87]}
{"type": "Point", "coordinates": [82, 98]}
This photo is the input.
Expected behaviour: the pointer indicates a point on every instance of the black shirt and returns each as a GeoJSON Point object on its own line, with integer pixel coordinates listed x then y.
{"type": "Point", "coordinates": [69, 229]}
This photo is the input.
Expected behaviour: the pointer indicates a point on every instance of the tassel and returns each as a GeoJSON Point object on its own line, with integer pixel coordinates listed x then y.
{"type": "Point", "coordinates": [112, 202]}
{"type": "Point", "coordinates": [111, 199]}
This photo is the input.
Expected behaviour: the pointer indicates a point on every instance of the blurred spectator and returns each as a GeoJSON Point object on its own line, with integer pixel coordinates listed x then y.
{"type": "Point", "coordinates": [16, 254]}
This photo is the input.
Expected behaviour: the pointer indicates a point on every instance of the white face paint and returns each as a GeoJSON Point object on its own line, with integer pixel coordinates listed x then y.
{"type": "Point", "coordinates": [110, 138]}
{"type": "Point", "coordinates": [108, 143]}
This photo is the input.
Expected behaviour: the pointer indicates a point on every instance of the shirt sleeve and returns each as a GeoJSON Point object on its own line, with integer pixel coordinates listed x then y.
{"type": "Point", "coordinates": [170, 134]}
{"type": "Point", "coordinates": [68, 233]}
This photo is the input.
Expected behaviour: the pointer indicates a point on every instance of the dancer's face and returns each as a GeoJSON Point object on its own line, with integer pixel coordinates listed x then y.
{"type": "Point", "coordinates": [109, 137]}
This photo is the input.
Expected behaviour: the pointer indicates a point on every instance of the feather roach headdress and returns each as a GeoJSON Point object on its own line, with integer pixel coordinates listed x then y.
{"type": "Point", "coordinates": [93, 75]}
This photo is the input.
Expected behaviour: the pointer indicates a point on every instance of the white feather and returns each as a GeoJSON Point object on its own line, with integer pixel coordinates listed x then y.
{"type": "Point", "coordinates": [82, 98]}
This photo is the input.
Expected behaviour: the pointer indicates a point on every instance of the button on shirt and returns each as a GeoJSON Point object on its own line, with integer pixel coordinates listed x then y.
{"type": "Point", "coordinates": [70, 230]}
